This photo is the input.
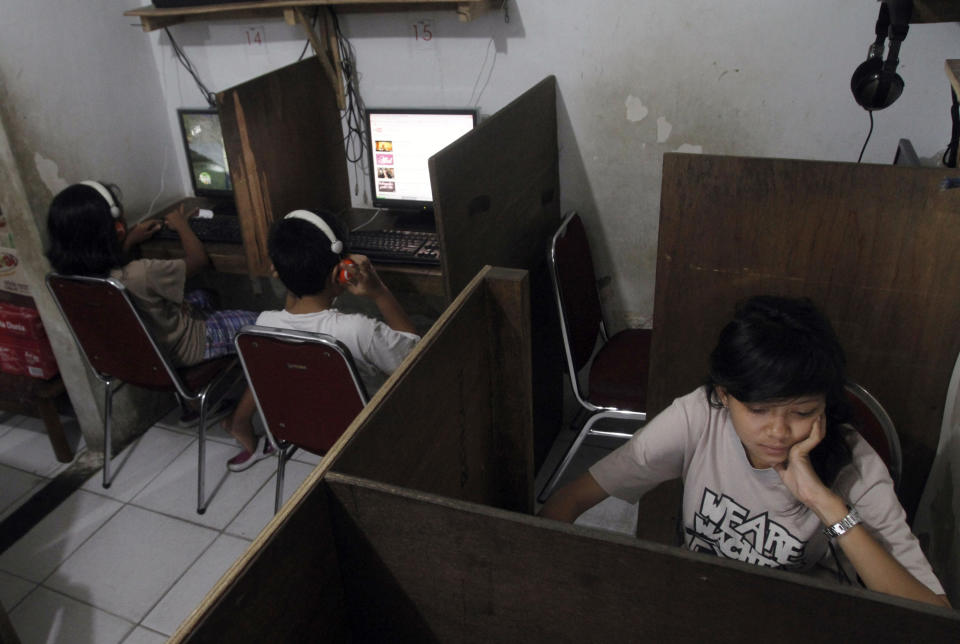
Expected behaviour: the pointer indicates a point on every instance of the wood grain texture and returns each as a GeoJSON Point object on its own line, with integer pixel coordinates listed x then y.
{"type": "Point", "coordinates": [877, 247]}
{"type": "Point", "coordinates": [496, 192]}
{"type": "Point", "coordinates": [285, 149]}
{"type": "Point", "coordinates": [286, 588]}
{"type": "Point", "coordinates": [457, 422]}
{"type": "Point", "coordinates": [417, 568]}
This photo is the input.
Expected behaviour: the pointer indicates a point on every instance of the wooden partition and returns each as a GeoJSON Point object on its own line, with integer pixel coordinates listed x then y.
{"type": "Point", "coordinates": [877, 247]}
{"type": "Point", "coordinates": [496, 191]}
{"type": "Point", "coordinates": [362, 561]}
{"type": "Point", "coordinates": [457, 420]}
{"type": "Point", "coordinates": [285, 149]}
{"type": "Point", "coordinates": [419, 568]}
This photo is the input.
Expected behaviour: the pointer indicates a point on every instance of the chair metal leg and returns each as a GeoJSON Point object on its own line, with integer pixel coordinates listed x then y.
{"type": "Point", "coordinates": [201, 456]}
{"type": "Point", "coordinates": [281, 465]}
{"type": "Point", "coordinates": [107, 431]}
{"type": "Point", "coordinates": [587, 430]}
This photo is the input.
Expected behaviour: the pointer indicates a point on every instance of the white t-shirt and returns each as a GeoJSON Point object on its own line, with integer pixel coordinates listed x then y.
{"type": "Point", "coordinates": [376, 349]}
{"type": "Point", "coordinates": [734, 510]}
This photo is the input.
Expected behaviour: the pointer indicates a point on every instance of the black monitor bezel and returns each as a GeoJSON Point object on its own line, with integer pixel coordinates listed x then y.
{"type": "Point", "coordinates": [200, 190]}
{"type": "Point", "coordinates": [403, 205]}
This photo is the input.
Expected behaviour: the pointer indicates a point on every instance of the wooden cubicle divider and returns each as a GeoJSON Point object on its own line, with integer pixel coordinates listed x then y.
{"type": "Point", "coordinates": [420, 568]}
{"type": "Point", "coordinates": [352, 559]}
{"type": "Point", "coordinates": [877, 247]}
{"type": "Point", "coordinates": [285, 148]}
{"type": "Point", "coordinates": [496, 193]}
{"type": "Point", "coordinates": [458, 421]}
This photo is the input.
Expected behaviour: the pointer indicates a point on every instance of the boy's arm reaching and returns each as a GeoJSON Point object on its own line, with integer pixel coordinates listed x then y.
{"type": "Point", "coordinates": [364, 281]}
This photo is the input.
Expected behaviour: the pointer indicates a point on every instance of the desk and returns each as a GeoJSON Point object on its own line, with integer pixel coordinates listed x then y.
{"type": "Point", "coordinates": [232, 258]}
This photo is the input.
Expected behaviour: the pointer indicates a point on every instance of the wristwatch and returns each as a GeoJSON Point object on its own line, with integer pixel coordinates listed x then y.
{"type": "Point", "coordinates": [843, 525]}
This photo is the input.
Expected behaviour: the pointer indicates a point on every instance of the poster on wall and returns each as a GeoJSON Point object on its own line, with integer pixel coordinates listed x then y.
{"type": "Point", "coordinates": [12, 278]}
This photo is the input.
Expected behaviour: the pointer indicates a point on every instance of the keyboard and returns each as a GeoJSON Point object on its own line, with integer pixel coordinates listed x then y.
{"type": "Point", "coordinates": [216, 229]}
{"type": "Point", "coordinates": [397, 246]}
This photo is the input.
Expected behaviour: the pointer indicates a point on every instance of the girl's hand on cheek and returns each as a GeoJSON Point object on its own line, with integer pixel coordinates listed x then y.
{"type": "Point", "coordinates": [797, 472]}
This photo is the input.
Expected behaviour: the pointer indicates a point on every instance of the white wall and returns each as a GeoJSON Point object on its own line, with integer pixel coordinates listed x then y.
{"type": "Point", "coordinates": [636, 80]}
{"type": "Point", "coordinates": [82, 99]}
{"type": "Point", "coordinates": [79, 99]}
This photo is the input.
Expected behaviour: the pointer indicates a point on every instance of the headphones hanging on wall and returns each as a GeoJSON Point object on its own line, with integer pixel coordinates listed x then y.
{"type": "Point", "coordinates": [875, 83]}
{"type": "Point", "coordinates": [106, 194]}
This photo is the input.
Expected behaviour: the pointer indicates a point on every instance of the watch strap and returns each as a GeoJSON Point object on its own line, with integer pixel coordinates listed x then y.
{"type": "Point", "coordinates": [843, 525]}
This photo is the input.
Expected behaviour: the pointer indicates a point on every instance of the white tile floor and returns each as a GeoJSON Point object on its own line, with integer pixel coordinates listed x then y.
{"type": "Point", "coordinates": [129, 563]}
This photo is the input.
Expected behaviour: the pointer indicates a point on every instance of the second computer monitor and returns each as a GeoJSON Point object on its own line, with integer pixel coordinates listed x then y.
{"type": "Point", "coordinates": [206, 153]}
{"type": "Point", "coordinates": [400, 142]}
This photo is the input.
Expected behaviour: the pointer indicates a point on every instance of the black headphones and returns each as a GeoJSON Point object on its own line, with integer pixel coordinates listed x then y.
{"type": "Point", "coordinates": [875, 83]}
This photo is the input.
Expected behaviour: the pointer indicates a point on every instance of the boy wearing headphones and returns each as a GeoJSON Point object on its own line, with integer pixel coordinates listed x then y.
{"type": "Point", "coordinates": [309, 258]}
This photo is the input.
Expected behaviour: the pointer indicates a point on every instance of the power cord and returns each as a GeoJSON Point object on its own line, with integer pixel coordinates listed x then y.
{"type": "Point", "coordinates": [208, 96]}
{"type": "Point", "coordinates": [950, 154]}
{"type": "Point", "coordinates": [355, 140]}
{"type": "Point", "coordinates": [870, 112]}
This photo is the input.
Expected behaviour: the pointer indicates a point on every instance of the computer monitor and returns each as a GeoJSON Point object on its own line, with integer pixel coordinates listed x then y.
{"type": "Point", "coordinates": [399, 143]}
{"type": "Point", "coordinates": [206, 153]}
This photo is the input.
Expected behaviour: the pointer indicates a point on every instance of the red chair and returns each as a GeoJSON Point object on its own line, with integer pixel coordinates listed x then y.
{"type": "Point", "coordinates": [306, 388]}
{"type": "Point", "coordinates": [115, 342]}
{"type": "Point", "coordinates": [877, 428]}
{"type": "Point", "coordinates": [616, 379]}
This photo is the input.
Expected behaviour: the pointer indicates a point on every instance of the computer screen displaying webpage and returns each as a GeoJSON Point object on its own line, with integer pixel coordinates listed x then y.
{"type": "Point", "coordinates": [402, 142]}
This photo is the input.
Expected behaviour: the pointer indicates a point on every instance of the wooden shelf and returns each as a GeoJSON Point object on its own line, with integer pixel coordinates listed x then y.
{"type": "Point", "coordinates": [953, 73]}
{"type": "Point", "coordinates": [152, 18]}
{"type": "Point", "coordinates": [323, 38]}
{"type": "Point", "coordinates": [935, 11]}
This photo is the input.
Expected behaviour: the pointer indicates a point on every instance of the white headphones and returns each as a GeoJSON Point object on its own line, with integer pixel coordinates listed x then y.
{"type": "Point", "coordinates": [335, 244]}
{"type": "Point", "coordinates": [106, 194]}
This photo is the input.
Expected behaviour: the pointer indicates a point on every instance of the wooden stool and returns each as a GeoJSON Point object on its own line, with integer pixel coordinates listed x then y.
{"type": "Point", "coordinates": [35, 397]}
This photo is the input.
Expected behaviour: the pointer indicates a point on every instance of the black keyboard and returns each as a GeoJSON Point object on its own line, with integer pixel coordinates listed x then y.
{"type": "Point", "coordinates": [216, 229]}
{"type": "Point", "coordinates": [397, 246]}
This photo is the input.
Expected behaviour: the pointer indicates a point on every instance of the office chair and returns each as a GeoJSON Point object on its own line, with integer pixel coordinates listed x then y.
{"type": "Point", "coordinates": [117, 345]}
{"type": "Point", "coordinates": [617, 375]}
{"type": "Point", "coordinates": [306, 388]}
{"type": "Point", "coordinates": [877, 428]}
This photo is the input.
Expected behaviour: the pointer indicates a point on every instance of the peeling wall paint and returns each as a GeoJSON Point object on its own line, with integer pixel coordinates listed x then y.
{"type": "Point", "coordinates": [690, 148]}
{"type": "Point", "coordinates": [49, 174]}
{"type": "Point", "coordinates": [636, 110]}
{"type": "Point", "coordinates": [663, 129]}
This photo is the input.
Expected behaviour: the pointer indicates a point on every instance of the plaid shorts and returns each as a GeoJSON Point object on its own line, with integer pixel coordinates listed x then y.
{"type": "Point", "coordinates": [222, 326]}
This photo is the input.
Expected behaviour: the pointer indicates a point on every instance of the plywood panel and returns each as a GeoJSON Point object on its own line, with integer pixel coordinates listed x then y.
{"type": "Point", "coordinates": [496, 192]}
{"type": "Point", "coordinates": [418, 568]}
{"type": "Point", "coordinates": [286, 588]}
{"type": "Point", "coordinates": [877, 247]}
{"type": "Point", "coordinates": [285, 149]}
{"type": "Point", "coordinates": [458, 422]}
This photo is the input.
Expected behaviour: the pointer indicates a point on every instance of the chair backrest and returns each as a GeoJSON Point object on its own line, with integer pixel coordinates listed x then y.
{"type": "Point", "coordinates": [305, 385]}
{"type": "Point", "coordinates": [575, 289]}
{"type": "Point", "coordinates": [110, 332]}
{"type": "Point", "coordinates": [877, 428]}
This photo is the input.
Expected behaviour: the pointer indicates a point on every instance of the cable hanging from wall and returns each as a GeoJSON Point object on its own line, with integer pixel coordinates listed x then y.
{"type": "Point", "coordinates": [208, 96]}
{"type": "Point", "coordinates": [353, 118]}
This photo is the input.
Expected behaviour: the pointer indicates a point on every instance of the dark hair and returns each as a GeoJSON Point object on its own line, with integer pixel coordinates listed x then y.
{"type": "Point", "coordinates": [82, 232]}
{"type": "Point", "coordinates": [777, 348]}
{"type": "Point", "coordinates": [301, 252]}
